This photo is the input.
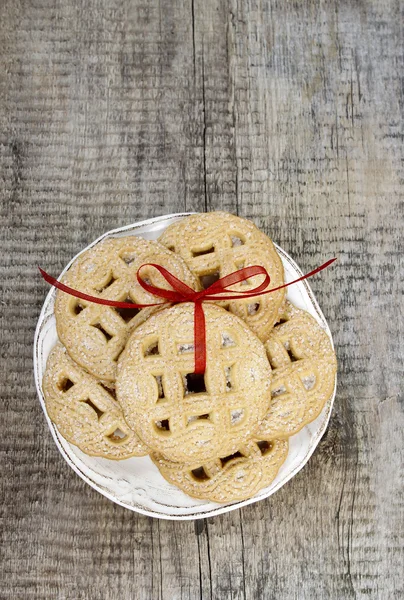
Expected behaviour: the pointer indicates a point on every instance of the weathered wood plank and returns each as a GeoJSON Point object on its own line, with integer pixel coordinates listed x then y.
{"type": "Point", "coordinates": [289, 113]}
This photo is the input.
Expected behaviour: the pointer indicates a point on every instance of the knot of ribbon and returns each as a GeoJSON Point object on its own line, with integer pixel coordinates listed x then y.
{"type": "Point", "coordinates": [181, 292]}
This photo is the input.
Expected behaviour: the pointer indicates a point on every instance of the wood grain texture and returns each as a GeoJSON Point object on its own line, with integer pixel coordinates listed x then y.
{"type": "Point", "coordinates": [288, 113]}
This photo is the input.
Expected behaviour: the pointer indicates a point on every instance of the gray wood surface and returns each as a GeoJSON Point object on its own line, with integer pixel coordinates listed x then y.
{"type": "Point", "coordinates": [288, 113]}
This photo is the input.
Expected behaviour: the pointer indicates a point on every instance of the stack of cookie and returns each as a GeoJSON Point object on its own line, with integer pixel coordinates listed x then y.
{"type": "Point", "coordinates": [121, 382]}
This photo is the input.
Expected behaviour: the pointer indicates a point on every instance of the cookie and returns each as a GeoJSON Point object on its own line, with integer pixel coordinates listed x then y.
{"type": "Point", "coordinates": [95, 335]}
{"type": "Point", "coordinates": [86, 412]}
{"type": "Point", "coordinates": [216, 244]}
{"type": "Point", "coordinates": [188, 417]}
{"type": "Point", "coordinates": [229, 478]}
{"type": "Point", "coordinates": [304, 369]}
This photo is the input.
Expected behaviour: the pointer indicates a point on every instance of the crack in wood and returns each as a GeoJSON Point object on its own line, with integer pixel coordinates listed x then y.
{"type": "Point", "coordinates": [193, 36]}
{"type": "Point", "coordinates": [204, 128]}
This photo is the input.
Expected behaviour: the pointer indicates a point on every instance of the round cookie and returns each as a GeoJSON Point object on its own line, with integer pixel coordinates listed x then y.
{"type": "Point", "coordinates": [216, 244]}
{"type": "Point", "coordinates": [304, 368]}
{"type": "Point", "coordinates": [85, 412]}
{"type": "Point", "coordinates": [230, 478]}
{"type": "Point", "coordinates": [93, 334]}
{"type": "Point", "coordinates": [189, 417]}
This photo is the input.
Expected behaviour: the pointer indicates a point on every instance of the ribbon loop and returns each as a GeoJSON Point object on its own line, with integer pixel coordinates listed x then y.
{"type": "Point", "coordinates": [182, 291]}
{"type": "Point", "coordinates": [227, 281]}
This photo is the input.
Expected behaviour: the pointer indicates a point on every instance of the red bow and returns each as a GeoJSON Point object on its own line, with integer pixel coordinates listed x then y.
{"type": "Point", "coordinates": [183, 293]}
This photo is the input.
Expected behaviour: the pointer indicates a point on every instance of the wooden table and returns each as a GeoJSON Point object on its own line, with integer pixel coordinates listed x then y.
{"type": "Point", "coordinates": [288, 113]}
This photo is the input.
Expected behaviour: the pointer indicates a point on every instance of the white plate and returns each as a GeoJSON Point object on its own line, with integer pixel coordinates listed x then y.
{"type": "Point", "coordinates": [136, 483]}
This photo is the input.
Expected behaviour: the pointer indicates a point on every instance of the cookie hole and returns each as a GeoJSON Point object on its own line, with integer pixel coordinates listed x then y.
{"type": "Point", "coordinates": [209, 250]}
{"type": "Point", "coordinates": [128, 258]}
{"type": "Point", "coordinates": [163, 425]}
{"type": "Point", "coordinates": [228, 374]}
{"type": "Point", "coordinates": [199, 474]}
{"type": "Point", "coordinates": [240, 475]}
{"type": "Point", "coordinates": [171, 248]}
{"type": "Point", "coordinates": [236, 416]}
{"type": "Point", "coordinates": [281, 322]}
{"type": "Point", "coordinates": [292, 356]}
{"type": "Point", "coordinates": [227, 459]}
{"type": "Point", "coordinates": [194, 383]}
{"type": "Point", "coordinates": [127, 314]}
{"type": "Point", "coordinates": [146, 278]}
{"type": "Point", "coordinates": [227, 340]}
{"type": "Point", "coordinates": [110, 391]}
{"type": "Point", "coordinates": [152, 349]}
{"type": "Point", "coordinates": [194, 418]}
{"type": "Point", "coordinates": [309, 382]}
{"type": "Point", "coordinates": [65, 384]}
{"type": "Point", "coordinates": [110, 281]}
{"type": "Point", "coordinates": [185, 348]}
{"type": "Point", "coordinates": [264, 447]}
{"type": "Point", "coordinates": [103, 331]}
{"type": "Point", "coordinates": [78, 308]}
{"type": "Point", "coordinates": [278, 391]}
{"type": "Point", "coordinates": [253, 308]}
{"type": "Point", "coordinates": [159, 381]}
{"type": "Point", "coordinates": [237, 240]}
{"type": "Point", "coordinates": [208, 280]}
{"type": "Point", "coordinates": [95, 408]}
{"type": "Point", "coordinates": [117, 436]}
{"type": "Point", "coordinates": [201, 443]}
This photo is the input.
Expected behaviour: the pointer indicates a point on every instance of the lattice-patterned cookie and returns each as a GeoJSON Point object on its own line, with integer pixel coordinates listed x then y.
{"type": "Point", "coordinates": [229, 478]}
{"type": "Point", "coordinates": [216, 244]}
{"type": "Point", "coordinates": [85, 412]}
{"type": "Point", "coordinates": [95, 335]}
{"type": "Point", "coordinates": [185, 416]}
{"type": "Point", "coordinates": [304, 368]}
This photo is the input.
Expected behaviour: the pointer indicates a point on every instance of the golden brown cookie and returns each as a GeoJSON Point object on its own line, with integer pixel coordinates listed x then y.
{"type": "Point", "coordinates": [304, 368]}
{"type": "Point", "coordinates": [216, 244]}
{"type": "Point", "coordinates": [189, 417]}
{"type": "Point", "coordinates": [95, 335]}
{"type": "Point", "coordinates": [229, 478]}
{"type": "Point", "coordinates": [85, 412]}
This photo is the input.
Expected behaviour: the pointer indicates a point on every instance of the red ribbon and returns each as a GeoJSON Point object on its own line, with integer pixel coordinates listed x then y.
{"type": "Point", "coordinates": [183, 293]}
